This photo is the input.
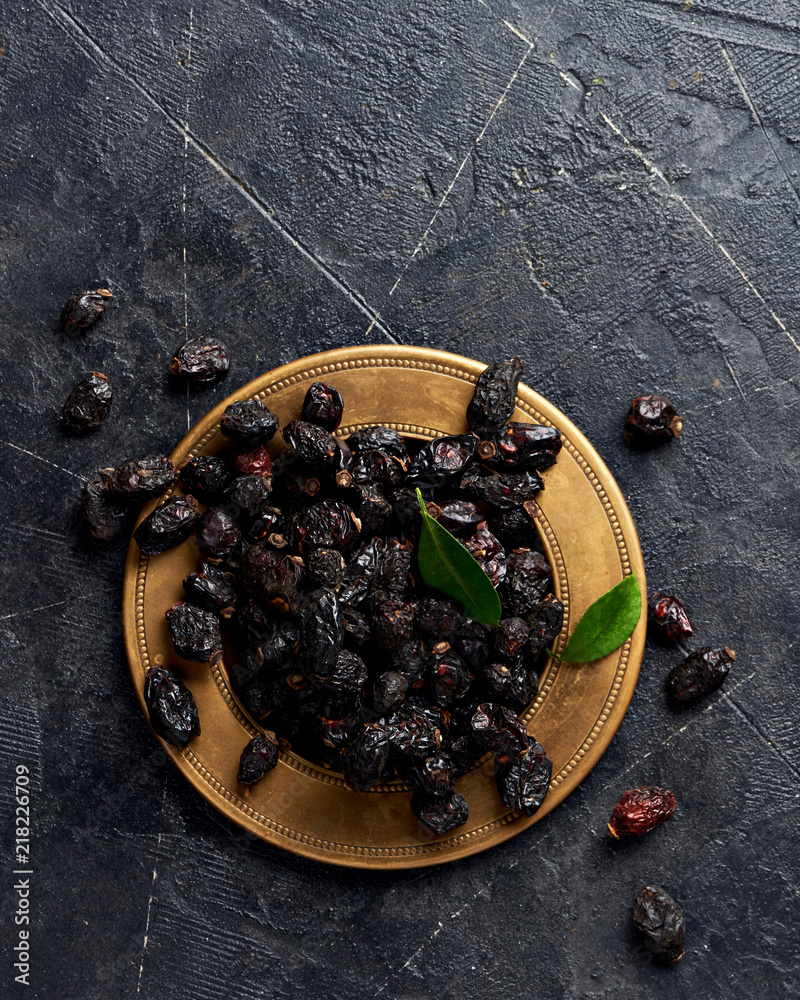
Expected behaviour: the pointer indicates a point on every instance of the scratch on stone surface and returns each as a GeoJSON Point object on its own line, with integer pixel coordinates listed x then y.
{"type": "Point", "coordinates": [568, 80]}
{"type": "Point", "coordinates": [677, 732]}
{"type": "Point", "coordinates": [749, 101]}
{"type": "Point", "coordinates": [46, 607]}
{"type": "Point", "coordinates": [409, 960]}
{"type": "Point", "coordinates": [735, 379]}
{"type": "Point", "coordinates": [764, 735]}
{"type": "Point", "coordinates": [73, 29]}
{"type": "Point", "coordinates": [46, 461]}
{"type": "Point", "coordinates": [653, 169]}
{"type": "Point", "coordinates": [471, 150]}
{"type": "Point", "coordinates": [152, 892]}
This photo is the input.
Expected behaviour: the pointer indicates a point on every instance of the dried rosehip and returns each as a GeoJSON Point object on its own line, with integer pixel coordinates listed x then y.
{"type": "Point", "coordinates": [516, 528]}
{"type": "Point", "coordinates": [373, 509]}
{"type": "Point", "coordinates": [521, 447]}
{"type": "Point", "coordinates": [509, 638]}
{"type": "Point", "coordinates": [145, 478]}
{"type": "Point", "coordinates": [503, 492]}
{"type": "Point", "coordinates": [195, 633]}
{"type": "Point", "coordinates": [248, 495]}
{"type": "Point", "coordinates": [380, 467]}
{"type": "Point", "coordinates": [326, 567]}
{"type": "Point", "coordinates": [699, 674]}
{"type": "Point", "coordinates": [253, 463]}
{"type": "Point", "coordinates": [392, 623]}
{"type": "Point", "coordinates": [433, 778]}
{"type": "Point", "coordinates": [313, 446]}
{"type": "Point", "coordinates": [497, 729]}
{"type": "Point", "coordinates": [171, 706]}
{"type": "Point", "coordinates": [330, 525]}
{"type": "Point", "coordinates": [512, 684]}
{"type": "Point", "coordinates": [652, 417]}
{"type": "Point", "coordinates": [456, 515]}
{"type": "Point", "coordinates": [323, 405]}
{"type": "Point", "coordinates": [103, 516]}
{"type": "Point", "coordinates": [660, 923]}
{"type": "Point", "coordinates": [206, 476]}
{"type": "Point", "coordinates": [84, 309]}
{"type": "Point", "coordinates": [441, 815]}
{"type": "Point", "coordinates": [258, 757]}
{"type": "Point", "coordinates": [213, 589]}
{"type": "Point", "coordinates": [641, 810]}
{"type": "Point", "coordinates": [273, 577]}
{"type": "Point", "coordinates": [527, 579]}
{"type": "Point", "coordinates": [545, 620]}
{"type": "Point", "coordinates": [380, 439]}
{"type": "Point", "coordinates": [201, 360]}
{"type": "Point", "coordinates": [170, 524]}
{"type": "Point", "coordinates": [413, 736]}
{"type": "Point", "coordinates": [449, 679]}
{"type": "Point", "coordinates": [249, 423]}
{"type": "Point", "coordinates": [494, 398]}
{"type": "Point", "coordinates": [523, 781]}
{"type": "Point", "coordinates": [349, 675]}
{"type": "Point", "coordinates": [442, 460]}
{"type": "Point", "coordinates": [365, 760]}
{"type": "Point", "coordinates": [218, 534]}
{"type": "Point", "coordinates": [669, 617]}
{"type": "Point", "coordinates": [322, 631]}
{"type": "Point", "coordinates": [389, 691]}
{"type": "Point", "coordinates": [88, 404]}
{"type": "Point", "coordinates": [488, 551]}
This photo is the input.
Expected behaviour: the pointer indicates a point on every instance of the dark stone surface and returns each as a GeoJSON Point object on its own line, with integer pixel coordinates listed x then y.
{"type": "Point", "coordinates": [303, 175]}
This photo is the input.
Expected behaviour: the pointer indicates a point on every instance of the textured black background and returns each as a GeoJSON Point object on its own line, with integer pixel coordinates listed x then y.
{"type": "Point", "coordinates": [610, 190]}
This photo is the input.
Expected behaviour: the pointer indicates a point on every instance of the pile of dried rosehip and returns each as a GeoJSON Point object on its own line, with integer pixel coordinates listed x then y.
{"type": "Point", "coordinates": [310, 560]}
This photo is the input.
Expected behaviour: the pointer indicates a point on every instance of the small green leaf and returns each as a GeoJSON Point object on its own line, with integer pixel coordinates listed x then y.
{"type": "Point", "coordinates": [447, 566]}
{"type": "Point", "coordinates": [606, 624]}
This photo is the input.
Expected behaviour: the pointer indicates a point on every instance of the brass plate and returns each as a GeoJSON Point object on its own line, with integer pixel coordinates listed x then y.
{"type": "Point", "coordinates": [591, 543]}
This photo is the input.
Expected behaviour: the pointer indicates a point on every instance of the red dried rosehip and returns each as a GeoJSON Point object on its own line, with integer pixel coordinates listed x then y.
{"type": "Point", "coordinates": [641, 810]}
{"type": "Point", "coordinates": [653, 417]}
{"type": "Point", "coordinates": [669, 616]}
{"type": "Point", "coordinates": [253, 463]}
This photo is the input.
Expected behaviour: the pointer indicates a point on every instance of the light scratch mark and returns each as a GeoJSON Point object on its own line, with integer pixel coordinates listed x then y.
{"type": "Point", "coordinates": [756, 117]}
{"type": "Point", "coordinates": [568, 80]}
{"type": "Point", "coordinates": [408, 961]}
{"type": "Point", "coordinates": [653, 169]}
{"type": "Point", "coordinates": [735, 379]}
{"type": "Point", "coordinates": [72, 27]}
{"type": "Point", "coordinates": [470, 152]}
{"type": "Point", "coordinates": [30, 611]}
{"type": "Point", "coordinates": [46, 461]}
{"type": "Point", "coordinates": [152, 892]}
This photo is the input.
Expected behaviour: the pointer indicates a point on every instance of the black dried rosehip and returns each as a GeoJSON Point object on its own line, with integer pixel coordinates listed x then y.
{"type": "Point", "coordinates": [652, 417]}
{"type": "Point", "coordinates": [171, 707]}
{"type": "Point", "coordinates": [330, 524]}
{"type": "Point", "coordinates": [660, 923]}
{"type": "Point", "coordinates": [494, 398]}
{"type": "Point", "coordinates": [170, 524]}
{"type": "Point", "coordinates": [498, 729]}
{"type": "Point", "coordinates": [322, 632]}
{"type": "Point", "coordinates": [258, 757]}
{"type": "Point", "coordinates": [380, 439]}
{"type": "Point", "coordinates": [509, 638]}
{"type": "Point", "coordinates": [313, 446]}
{"type": "Point", "coordinates": [248, 495]}
{"type": "Point", "coordinates": [389, 691]}
{"type": "Point", "coordinates": [366, 759]}
{"type": "Point", "coordinates": [458, 516]}
{"type": "Point", "coordinates": [218, 534]}
{"type": "Point", "coordinates": [702, 672]}
{"type": "Point", "coordinates": [442, 460]}
{"type": "Point", "coordinates": [502, 492]}
{"type": "Point", "coordinates": [527, 580]}
{"type": "Point", "coordinates": [433, 778]}
{"type": "Point", "coordinates": [326, 567]}
{"type": "Point", "coordinates": [521, 447]}
{"type": "Point", "coordinates": [441, 815]}
{"type": "Point", "coordinates": [213, 589]}
{"type": "Point", "coordinates": [206, 476]}
{"type": "Point", "coordinates": [323, 405]}
{"type": "Point", "coordinates": [103, 516]}
{"type": "Point", "coordinates": [84, 309]}
{"type": "Point", "coordinates": [488, 551]}
{"type": "Point", "coordinates": [392, 622]}
{"type": "Point", "coordinates": [523, 780]}
{"type": "Point", "coordinates": [248, 423]}
{"type": "Point", "coordinates": [545, 620]}
{"type": "Point", "coordinates": [195, 633]}
{"type": "Point", "coordinates": [200, 360]}
{"type": "Point", "coordinates": [145, 478]}
{"type": "Point", "coordinates": [273, 577]}
{"type": "Point", "coordinates": [88, 404]}
{"type": "Point", "coordinates": [375, 466]}
{"type": "Point", "coordinates": [668, 617]}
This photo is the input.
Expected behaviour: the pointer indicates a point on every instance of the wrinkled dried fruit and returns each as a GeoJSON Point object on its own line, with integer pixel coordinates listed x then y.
{"type": "Point", "coordinates": [103, 516]}
{"type": "Point", "coordinates": [200, 360]}
{"type": "Point", "coordinates": [521, 447]}
{"type": "Point", "coordinates": [433, 778]}
{"type": "Point", "coordinates": [660, 923]}
{"type": "Point", "coordinates": [171, 706]}
{"type": "Point", "coordinates": [323, 405]}
{"type": "Point", "coordinates": [365, 760]}
{"type": "Point", "coordinates": [213, 589]}
{"type": "Point", "coordinates": [494, 399]}
{"type": "Point", "coordinates": [195, 633]}
{"type": "Point", "coordinates": [652, 417]}
{"type": "Point", "coordinates": [641, 810]}
{"type": "Point", "coordinates": [88, 404]}
{"type": "Point", "coordinates": [84, 309]}
{"type": "Point", "coordinates": [258, 757]}
{"type": "Point", "coordinates": [253, 463]}
{"type": "Point", "coordinates": [699, 674]}
{"type": "Point", "coordinates": [441, 815]}
{"type": "Point", "coordinates": [138, 479]}
{"type": "Point", "coordinates": [170, 524]}
{"type": "Point", "coordinates": [218, 534]}
{"type": "Point", "coordinates": [313, 446]}
{"type": "Point", "coordinates": [668, 616]}
{"type": "Point", "coordinates": [442, 461]}
{"type": "Point", "coordinates": [523, 781]}
{"type": "Point", "coordinates": [206, 477]}
{"type": "Point", "coordinates": [249, 423]}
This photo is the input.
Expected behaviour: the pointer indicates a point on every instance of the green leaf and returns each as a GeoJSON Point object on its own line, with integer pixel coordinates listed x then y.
{"type": "Point", "coordinates": [606, 624]}
{"type": "Point", "coordinates": [447, 566]}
